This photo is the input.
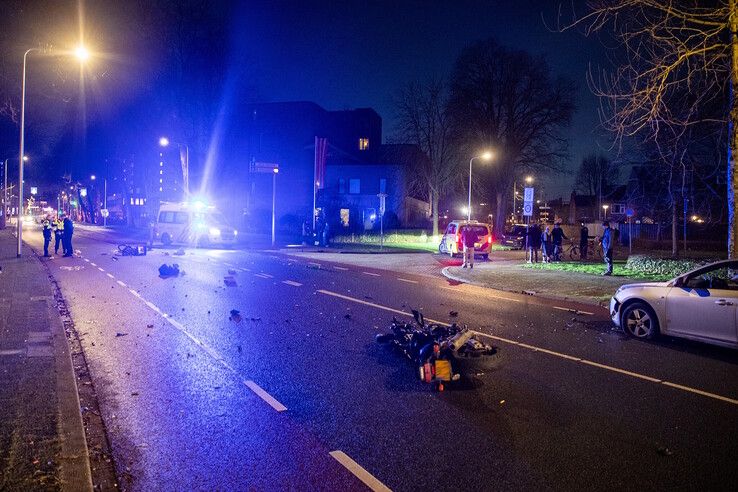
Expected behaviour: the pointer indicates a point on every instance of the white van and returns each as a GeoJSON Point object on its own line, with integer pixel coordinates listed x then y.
{"type": "Point", "coordinates": [194, 224]}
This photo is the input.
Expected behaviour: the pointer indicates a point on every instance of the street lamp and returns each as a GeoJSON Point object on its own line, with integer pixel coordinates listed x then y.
{"type": "Point", "coordinates": [82, 54]}
{"type": "Point", "coordinates": [164, 142]}
{"type": "Point", "coordinates": [605, 207]}
{"type": "Point", "coordinates": [105, 197]}
{"type": "Point", "coordinates": [485, 157]}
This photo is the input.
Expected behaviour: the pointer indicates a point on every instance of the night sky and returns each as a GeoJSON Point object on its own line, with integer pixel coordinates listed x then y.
{"type": "Point", "coordinates": [340, 55]}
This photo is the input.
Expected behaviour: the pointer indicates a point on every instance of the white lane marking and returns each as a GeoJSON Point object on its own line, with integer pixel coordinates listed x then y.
{"type": "Point", "coordinates": [343, 269]}
{"type": "Point", "coordinates": [152, 306]}
{"type": "Point", "coordinates": [263, 275]}
{"type": "Point", "coordinates": [102, 270]}
{"type": "Point", "coordinates": [292, 283]}
{"type": "Point", "coordinates": [407, 280]}
{"type": "Point", "coordinates": [371, 274]}
{"type": "Point", "coordinates": [122, 284]}
{"type": "Point", "coordinates": [134, 292]}
{"type": "Point", "coordinates": [551, 352]}
{"type": "Point", "coordinates": [572, 311]}
{"type": "Point", "coordinates": [86, 260]}
{"type": "Point", "coordinates": [488, 294]}
{"type": "Point", "coordinates": [359, 472]}
{"type": "Point", "coordinates": [228, 265]}
{"type": "Point", "coordinates": [245, 270]}
{"type": "Point", "coordinates": [314, 264]}
{"type": "Point", "coordinates": [265, 396]}
{"type": "Point", "coordinates": [93, 263]}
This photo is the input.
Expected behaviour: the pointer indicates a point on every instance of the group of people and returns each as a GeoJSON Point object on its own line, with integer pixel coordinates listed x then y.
{"type": "Point", "coordinates": [319, 236]}
{"type": "Point", "coordinates": [551, 243]}
{"type": "Point", "coordinates": [62, 229]}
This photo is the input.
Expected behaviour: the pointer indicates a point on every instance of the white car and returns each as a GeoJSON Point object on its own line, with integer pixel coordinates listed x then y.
{"type": "Point", "coordinates": [700, 305]}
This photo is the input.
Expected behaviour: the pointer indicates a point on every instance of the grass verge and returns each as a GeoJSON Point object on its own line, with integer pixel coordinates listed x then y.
{"type": "Point", "coordinates": [619, 270]}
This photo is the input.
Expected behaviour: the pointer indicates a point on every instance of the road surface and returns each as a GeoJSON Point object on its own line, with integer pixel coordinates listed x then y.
{"type": "Point", "coordinates": [297, 395]}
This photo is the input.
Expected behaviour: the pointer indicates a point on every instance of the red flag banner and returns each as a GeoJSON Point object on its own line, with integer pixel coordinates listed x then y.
{"type": "Point", "coordinates": [321, 146]}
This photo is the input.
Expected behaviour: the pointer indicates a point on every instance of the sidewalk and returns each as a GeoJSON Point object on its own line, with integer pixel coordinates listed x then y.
{"type": "Point", "coordinates": [42, 441]}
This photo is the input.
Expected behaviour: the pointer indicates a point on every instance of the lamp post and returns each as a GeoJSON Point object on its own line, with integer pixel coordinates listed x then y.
{"type": "Point", "coordinates": [164, 142]}
{"type": "Point", "coordinates": [485, 156]}
{"type": "Point", "coordinates": [528, 180]}
{"type": "Point", "coordinates": [605, 207]}
{"type": "Point", "coordinates": [82, 54]}
{"type": "Point", "coordinates": [105, 198]}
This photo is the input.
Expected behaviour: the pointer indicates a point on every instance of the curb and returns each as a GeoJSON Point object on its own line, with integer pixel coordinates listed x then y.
{"type": "Point", "coordinates": [553, 297]}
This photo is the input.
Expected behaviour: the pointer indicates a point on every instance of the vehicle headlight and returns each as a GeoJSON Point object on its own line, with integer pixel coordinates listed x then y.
{"type": "Point", "coordinates": [235, 232]}
{"type": "Point", "coordinates": [214, 231]}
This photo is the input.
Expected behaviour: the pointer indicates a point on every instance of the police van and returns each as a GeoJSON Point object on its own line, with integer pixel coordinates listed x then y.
{"type": "Point", "coordinates": [192, 224]}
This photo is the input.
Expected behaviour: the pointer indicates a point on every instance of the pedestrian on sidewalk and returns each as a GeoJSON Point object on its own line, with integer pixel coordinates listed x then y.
{"type": "Point", "coordinates": [46, 224]}
{"type": "Point", "coordinates": [468, 238]}
{"type": "Point", "coordinates": [607, 247]}
{"type": "Point", "coordinates": [58, 226]}
{"type": "Point", "coordinates": [583, 242]}
{"type": "Point", "coordinates": [534, 242]}
{"type": "Point", "coordinates": [326, 234]}
{"type": "Point", "coordinates": [546, 240]}
{"type": "Point", "coordinates": [558, 237]}
{"type": "Point", "coordinates": [68, 231]}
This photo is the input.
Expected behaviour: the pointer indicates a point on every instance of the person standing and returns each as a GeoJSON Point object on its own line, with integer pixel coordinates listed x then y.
{"type": "Point", "coordinates": [46, 224]}
{"type": "Point", "coordinates": [58, 226]}
{"type": "Point", "coordinates": [534, 242]}
{"type": "Point", "coordinates": [558, 237]}
{"type": "Point", "coordinates": [68, 231]}
{"type": "Point", "coordinates": [326, 234]}
{"type": "Point", "coordinates": [468, 238]}
{"type": "Point", "coordinates": [607, 247]}
{"type": "Point", "coordinates": [583, 241]}
{"type": "Point", "coordinates": [546, 241]}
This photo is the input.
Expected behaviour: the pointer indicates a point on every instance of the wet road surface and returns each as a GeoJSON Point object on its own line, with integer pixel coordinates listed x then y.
{"type": "Point", "coordinates": [298, 395]}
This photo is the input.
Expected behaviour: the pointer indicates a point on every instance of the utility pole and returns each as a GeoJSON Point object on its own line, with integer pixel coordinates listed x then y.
{"type": "Point", "coordinates": [733, 132]}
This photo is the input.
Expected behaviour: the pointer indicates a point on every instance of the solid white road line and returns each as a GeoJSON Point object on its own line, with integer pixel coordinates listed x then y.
{"type": "Point", "coordinates": [550, 352]}
{"type": "Point", "coordinates": [265, 396]}
{"type": "Point", "coordinates": [263, 275]}
{"type": "Point", "coordinates": [407, 280]}
{"type": "Point", "coordinates": [371, 274]}
{"type": "Point", "coordinates": [292, 283]}
{"type": "Point", "coordinates": [340, 268]}
{"type": "Point", "coordinates": [572, 311]}
{"type": "Point", "coordinates": [359, 472]}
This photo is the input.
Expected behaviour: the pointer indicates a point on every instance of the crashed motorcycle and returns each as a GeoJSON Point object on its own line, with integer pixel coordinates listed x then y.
{"type": "Point", "coordinates": [441, 353]}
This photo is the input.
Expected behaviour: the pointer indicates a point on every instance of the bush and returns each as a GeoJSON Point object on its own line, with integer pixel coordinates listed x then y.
{"type": "Point", "coordinates": [662, 266]}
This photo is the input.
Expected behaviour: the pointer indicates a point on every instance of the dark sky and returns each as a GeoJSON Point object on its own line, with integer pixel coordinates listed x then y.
{"type": "Point", "coordinates": [354, 54]}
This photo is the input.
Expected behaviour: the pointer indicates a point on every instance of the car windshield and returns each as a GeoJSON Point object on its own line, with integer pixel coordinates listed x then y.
{"type": "Point", "coordinates": [480, 230]}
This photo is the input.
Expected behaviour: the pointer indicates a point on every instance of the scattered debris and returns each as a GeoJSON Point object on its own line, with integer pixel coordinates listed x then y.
{"type": "Point", "coordinates": [120, 334]}
{"type": "Point", "coordinates": [502, 402]}
{"type": "Point", "coordinates": [235, 316]}
{"type": "Point", "coordinates": [149, 326]}
{"type": "Point", "coordinates": [115, 258]}
{"type": "Point", "coordinates": [135, 393]}
{"type": "Point", "coordinates": [255, 319]}
{"type": "Point", "coordinates": [239, 348]}
{"type": "Point", "coordinates": [347, 316]}
{"type": "Point", "coordinates": [232, 271]}
{"type": "Point", "coordinates": [453, 314]}
{"type": "Point", "coordinates": [664, 451]}
{"type": "Point", "coordinates": [166, 271]}
{"type": "Point", "coordinates": [179, 252]}
{"type": "Point", "coordinates": [230, 281]}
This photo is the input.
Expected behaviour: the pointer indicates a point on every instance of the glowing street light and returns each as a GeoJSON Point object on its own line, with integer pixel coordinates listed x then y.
{"type": "Point", "coordinates": [93, 177]}
{"type": "Point", "coordinates": [485, 156]}
{"type": "Point", "coordinates": [605, 207]}
{"type": "Point", "coordinates": [82, 54]}
{"type": "Point", "coordinates": [164, 142]}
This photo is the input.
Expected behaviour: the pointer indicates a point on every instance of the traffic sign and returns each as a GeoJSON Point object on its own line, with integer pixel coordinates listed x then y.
{"type": "Point", "coordinates": [528, 209]}
{"type": "Point", "coordinates": [528, 195]}
{"type": "Point", "coordinates": [34, 190]}
{"type": "Point", "coordinates": [264, 167]}
{"type": "Point", "coordinates": [105, 213]}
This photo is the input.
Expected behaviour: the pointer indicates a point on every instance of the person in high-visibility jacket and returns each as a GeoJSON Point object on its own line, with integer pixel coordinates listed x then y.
{"type": "Point", "coordinates": [46, 224]}
{"type": "Point", "coordinates": [58, 226]}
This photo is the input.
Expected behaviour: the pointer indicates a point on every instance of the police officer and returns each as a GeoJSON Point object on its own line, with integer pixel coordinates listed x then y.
{"type": "Point", "coordinates": [68, 231]}
{"type": "Point", "coordinates": [58, 226]}
{"type": "Point", "coordinates": [46, 224]}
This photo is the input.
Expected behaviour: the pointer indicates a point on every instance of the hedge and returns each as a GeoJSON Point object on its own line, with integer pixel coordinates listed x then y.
{"type": "Point", "coordinates": [663, 266]}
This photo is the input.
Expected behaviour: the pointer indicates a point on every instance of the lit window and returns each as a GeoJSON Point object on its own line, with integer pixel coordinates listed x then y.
{"type": "Point", "coordinates": [363, 143]}
{"type": "Point", "coordinates": [161, 189]}
{"type": "Point", "coordinates": [131, 201]}
{"type": "Point", "coordinates": [161, 163]}
{"type": "Point", "coordinates": [161, 171]}
{"type": "Point", "coordinates": [161, 180]}
{"type": "Point", "coordinates": [161, 155]}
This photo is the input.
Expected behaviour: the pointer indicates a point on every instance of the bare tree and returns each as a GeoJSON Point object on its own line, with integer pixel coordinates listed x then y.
{"type": "Point", "coordinates": [596, 175]}
{"type": "Point", "coordinates": [423, 120]}
{"type": "Point", "coordinates": [674, 58]}
{"type": "Point", "coordinates": [509, 101]}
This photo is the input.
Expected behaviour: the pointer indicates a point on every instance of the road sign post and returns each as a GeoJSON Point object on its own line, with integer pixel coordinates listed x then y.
{"type": "Point", "coordinates": [382, 203]}
{"type": "Point", "coordinates": [273, 168]}
{"type": "Point", "coordinates": [528, 203]}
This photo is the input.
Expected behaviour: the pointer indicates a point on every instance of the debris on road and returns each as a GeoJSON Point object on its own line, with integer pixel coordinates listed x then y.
{"type": "Point", "coordinates": [166, 271]}
{"type": "Point", "coordinates": [150, 326]}
{"type": "Point", "coordinates": [232, 271]}
{"type": "Point", "coordinates": [230, 281]}
{"type": "Point", "coordinates": [453, 314]}
{"type": "Point", "coordinates": [347, 316]}
{"type": "Point", "coordinates": [664, 451]}
{"type": "Point", "coordinates": [120, 334]}
{"type": "Point", "coordinates": [179, 252]}
{"type": "Point", "coordinates": [235, 316]}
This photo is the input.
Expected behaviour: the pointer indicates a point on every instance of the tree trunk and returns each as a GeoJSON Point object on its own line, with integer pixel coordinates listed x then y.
{"type": "Point", "coordinates": [733, 135]}
{"type": "Point", "coordinates": [434, 211]}
{"type": "Point", "coordinates": [499, 215]}
{"type": "Point", "coordinates": [674, 224]}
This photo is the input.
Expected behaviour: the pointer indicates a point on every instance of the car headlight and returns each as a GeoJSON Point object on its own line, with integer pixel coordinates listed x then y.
{"type": "Point", "coordinates": [235, 232]}
{"type": "Point", "coordinates": [214, 231]}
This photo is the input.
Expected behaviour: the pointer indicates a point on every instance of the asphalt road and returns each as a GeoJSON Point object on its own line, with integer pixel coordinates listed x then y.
{"type": "Point", "coordinates": [299, 396]}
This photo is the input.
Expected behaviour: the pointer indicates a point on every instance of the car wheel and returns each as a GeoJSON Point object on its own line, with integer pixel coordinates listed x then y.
{"type": "Point", "coordinates": [440, 248]}
{"type": "Point", "coordinates": [485, 257]}
{"type": "Point", "coordinates": [639, 321]}
{"type": "Point", "coordinates": [166, 239]}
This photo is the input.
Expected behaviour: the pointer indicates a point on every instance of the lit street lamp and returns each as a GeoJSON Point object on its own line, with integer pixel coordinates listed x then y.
{"type": "Point", "coordinates": [105, 198]}
{"type": "Point", "coordinates": [605, 207]}
{"type": "Point", "coordinates": [82, 54]}
{"type": "Point", "coordinates": [164, 142]}
{"type": "Point", "coordinates": [485, 157]}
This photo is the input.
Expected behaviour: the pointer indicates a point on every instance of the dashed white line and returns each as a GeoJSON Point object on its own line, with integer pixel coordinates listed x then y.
{"type": "Point", "coordinates": [265, 396]}
{"type": "Point", "coordinates": [292, 283]}
{"type": "Point", "coordinates": [371, 274]}
{"type": "Point", "coordinates": [550, 352]}
{"type": "Point", "coordinates": [101, 269]}
{"type": "Point", "coordinates": [244, 269]}
{"type": "Point", "coordinates": [122, 284]}
{"type": "Point", "coordinates": [263, 275]}
{"type": "Point", "coordinates": [93, 263]}
{"type": "Point", "coordinates": [109, 275]}
{"type": "Point", "coordinates": [86, 260]}
{"type": "Point", "coordinates": [340, 268]}
{"type": "Point", "coordinates": [407, 280]}
{"type": "Point", "coordinates": [359, 472]}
